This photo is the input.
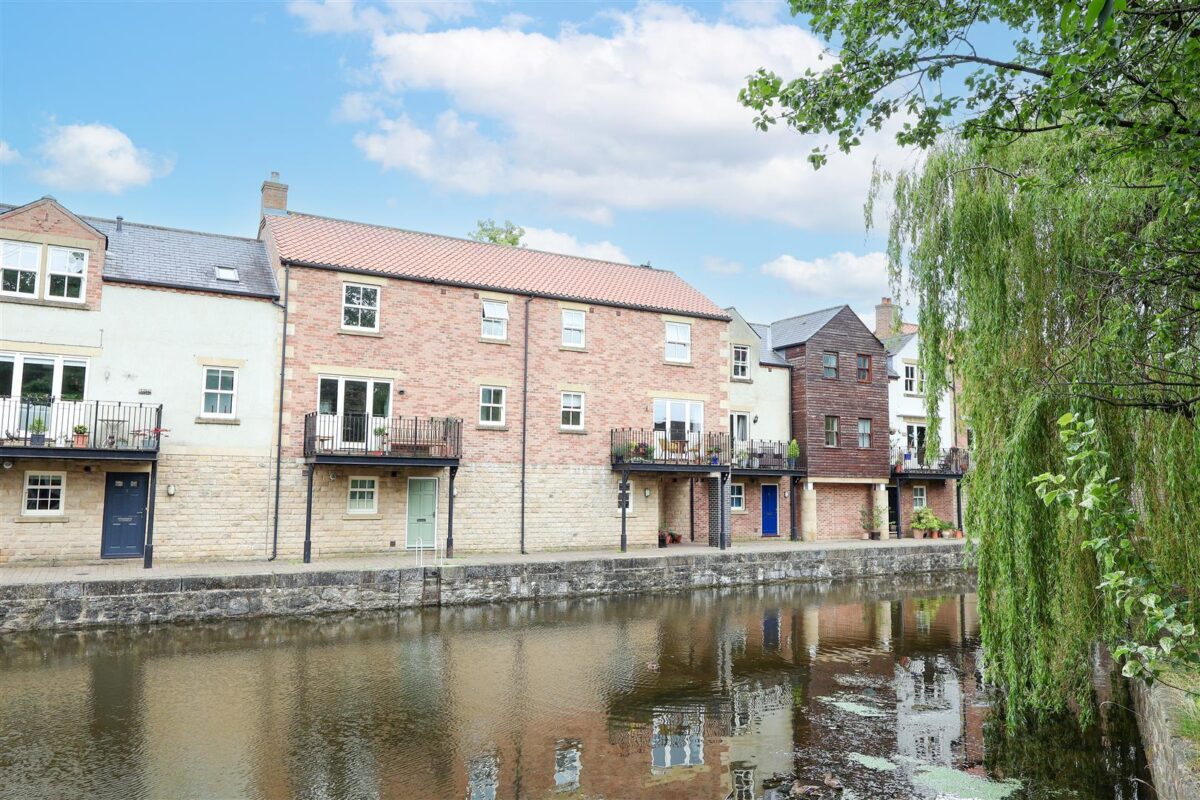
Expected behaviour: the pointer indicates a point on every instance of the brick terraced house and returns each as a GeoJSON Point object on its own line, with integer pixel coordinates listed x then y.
{"type": "Point", "coordinates": [485, 397]}
{"type": "Point", "coordinates": [137, 369]}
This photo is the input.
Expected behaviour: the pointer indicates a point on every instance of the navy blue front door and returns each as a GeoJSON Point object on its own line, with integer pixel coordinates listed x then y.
{"type": "Point", "coordinates": [770, 509]}
{"type": "Point", "coordinates": [124, 514]}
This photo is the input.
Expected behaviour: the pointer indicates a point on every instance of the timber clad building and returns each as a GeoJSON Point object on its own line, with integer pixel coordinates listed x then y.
{"type": "Point", "coordinates": [336, 387]}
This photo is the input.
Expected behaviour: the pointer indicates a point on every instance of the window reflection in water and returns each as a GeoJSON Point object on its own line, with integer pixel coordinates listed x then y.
{"type": "Point", "coordinates": [677, 738]}
{"type": "Point", "coordinates": [483, 777]}
{"type": "Point", "coordinates": [567, 765]}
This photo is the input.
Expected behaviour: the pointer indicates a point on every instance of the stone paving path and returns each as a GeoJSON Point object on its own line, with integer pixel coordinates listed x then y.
{"type": "Point", "coordinates": [131, 569]}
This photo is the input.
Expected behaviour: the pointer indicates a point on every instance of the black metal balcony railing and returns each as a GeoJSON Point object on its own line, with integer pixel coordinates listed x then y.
{"type": "Point", "coordinates": [762, 454]}
{"type": "Point", "coordinates": [918, 461]}
{"type": "Point", "coordinates": [392, 437]}
{"type": "Point", "coordinates": [670, 448]}
{"type": "Point", "coordinates": [43, 421]}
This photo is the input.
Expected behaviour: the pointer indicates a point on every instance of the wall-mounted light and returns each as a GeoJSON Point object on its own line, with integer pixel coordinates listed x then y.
{"type": "Point", "coordinates": [756, 419]}
{"type": "Point", "coordinates": [646, 491]}
{"type": "Point", "coordinates": [8, 465]}
{"type": "Point", "coordinates": [170, 490]}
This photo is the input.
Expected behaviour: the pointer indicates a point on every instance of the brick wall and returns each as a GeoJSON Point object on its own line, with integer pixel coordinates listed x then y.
{"type": "Point", "coordinates": [815, 397]}
{"type": "Point", "coordinates": [839, 506]}
{"type": "Point", "coordinates": [48, 223]}
{"type": "Point", "coordinates": [940, 496]}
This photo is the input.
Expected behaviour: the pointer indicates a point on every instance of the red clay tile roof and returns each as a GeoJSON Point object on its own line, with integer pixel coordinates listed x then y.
{"type": "Point", "coordinates": [320, 241]}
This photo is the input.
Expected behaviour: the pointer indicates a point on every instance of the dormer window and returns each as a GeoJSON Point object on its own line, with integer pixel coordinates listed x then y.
{"type": "Point", "coordinates": [67, 273]}
{"type": "Point", "coordinates": [19, 268]}
{"type": "Point", "coordinates": [229, 274]}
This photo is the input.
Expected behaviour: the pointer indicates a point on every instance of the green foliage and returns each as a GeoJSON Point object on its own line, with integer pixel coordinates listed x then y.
{"type": "Point", "coordinates": [1075, 67]}
{"type": "Point", "coordinates": [923, 519]}
{"type": "Point", "coordinates": [80, 429]}
{"type": "Point", "coordinates": [1156, 636]}
{"type": "Point", "coordinates": [37, 425]}
{"type": "Point", "coordinates": [871, 517]}
{"type": "Point", "coordinates": [793, 450]}
{"type": "Point", "coordinates": [487, 230]}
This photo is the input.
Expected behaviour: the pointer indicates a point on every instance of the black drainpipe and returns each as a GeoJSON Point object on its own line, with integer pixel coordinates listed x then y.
{"type": "Point", "coordinates": [524, 417]}
{"type": "Point", "coordinates": [287, 279]}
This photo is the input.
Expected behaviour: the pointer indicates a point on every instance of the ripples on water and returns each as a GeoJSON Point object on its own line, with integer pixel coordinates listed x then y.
{"type": "Point", "coordinates": [702, 695]}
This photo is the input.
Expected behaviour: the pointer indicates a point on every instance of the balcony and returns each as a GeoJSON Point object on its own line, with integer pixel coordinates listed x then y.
{"type": "Point", "coordinates": [670, 451]}
{"type": "Point", "coordinates": [47, 427]}
{"type": "Point", "coordinates": [919, 463]}
{"type": "Point", "coordinates": [365, 440]}
{"type": "Point", "coordinates": [764, 457]}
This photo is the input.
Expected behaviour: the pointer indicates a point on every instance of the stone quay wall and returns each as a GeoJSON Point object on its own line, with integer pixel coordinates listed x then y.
{"type": "Point", "coordinates": [1174, 761]}
{"type": "Point", "coordinates": [83, 604]}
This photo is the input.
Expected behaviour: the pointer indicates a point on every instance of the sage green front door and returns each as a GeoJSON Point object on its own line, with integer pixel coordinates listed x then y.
{"type": "Point", "coordinates": [422, 512]}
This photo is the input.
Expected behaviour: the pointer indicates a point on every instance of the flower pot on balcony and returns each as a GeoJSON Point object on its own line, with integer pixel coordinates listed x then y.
{"type": "Point", "coordinates": [37, 440]}
{"type": "Point", "coordinates": [79, 440]}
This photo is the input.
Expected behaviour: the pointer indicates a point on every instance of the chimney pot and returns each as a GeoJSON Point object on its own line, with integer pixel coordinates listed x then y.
{"type": "Point", "coordinates": [120, 219]}
{"type": "Point", "coordinates": [887, 318]}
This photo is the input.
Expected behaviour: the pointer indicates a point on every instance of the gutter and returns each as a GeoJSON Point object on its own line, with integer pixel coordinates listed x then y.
{"type": "Point", "coordinates": [524, 416]}
{"type": "Point", "coordinates": [287, 283]}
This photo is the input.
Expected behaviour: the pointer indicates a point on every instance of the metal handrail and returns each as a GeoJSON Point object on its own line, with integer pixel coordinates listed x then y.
{"type": "Point", "coordinates": [365, 434]}
{"type": "Point", "coordinates": [52, 422]}
{"type": "Point", "coordinates": [919, 459]}
{"type": "Point", "coordinates": [654, 446]}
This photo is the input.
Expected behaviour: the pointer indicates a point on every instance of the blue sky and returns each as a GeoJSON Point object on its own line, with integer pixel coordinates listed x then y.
{"type": "Point", "coordinates": [608, 129]}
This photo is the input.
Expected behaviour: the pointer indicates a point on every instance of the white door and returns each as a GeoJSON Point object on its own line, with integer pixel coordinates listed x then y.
{"type": "Point", "coordinates": [353, 413]}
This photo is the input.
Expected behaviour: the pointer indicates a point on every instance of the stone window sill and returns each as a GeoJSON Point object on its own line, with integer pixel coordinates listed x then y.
{"type": "Point", "coordinates": [576, 431]}
{"type": "Point", "coordinates": [217, 421]}
{"type": "Point", "coordinates": [486, 340]}
{"type": "Point", "coordinates": [678, 363]}
{"type": "Point", "coordinates": [742, 380]}
{"type": "Point", "coordinates": [36, 518]}
{"type": "Point", "coordinates": [738, 511]}
{"type": "Point", "coordinates": [363, 516]}
{"type": "Point", "coordinates": [570, 349]}
{"type": "Point", "coordinates": [351, 332]}
{"type": "Point", "coordinates": [37, 301]}
{"type": "Point", "coordinates": [491, 427]}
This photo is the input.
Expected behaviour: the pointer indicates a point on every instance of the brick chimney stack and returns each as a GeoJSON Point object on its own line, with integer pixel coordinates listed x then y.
{"type": "Point", "coordinates": [274, 197]}
{"type": "Point", "coordinates": [887, 319]}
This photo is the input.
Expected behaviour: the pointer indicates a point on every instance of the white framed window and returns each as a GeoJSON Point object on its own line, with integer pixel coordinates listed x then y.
{"type": "Point", "coordinates": [66, 273]}
{"type": "Point", "coordinates": [864, 433]}
{"type": "Point", "coordinates": [831, 431]}
{"type": "Point", "coordinates": [737, 496]}
{"type": "Point", "coordinates": [363, 495]}
{"type": "Point", "coordinates": [914, 436]}
{"type": "Point", "coordinates": [572, 410]}
{"type": "Point", "coordinates": [679, 342]}
{"type": "Point", "coordinates": [678, 419]}
{"type": "Point", "coordinates": [491, 405]}
{"type": "Point", "coordinates": [918, 497]}
{"type": "Point", "coordinates": [35, 375]}
{"type": "Point", "coordinates": [829, 365]}
{"type": "Point", "coordinates": [574, 322]}
{"type": "Point", "coordinates": [495, 320]}
{"type": "Point", "coordinates": [741, 362]}
{"type": "Point", "coordinates": [228, 274]}
{"type": "Point", "coordinates": [914, 381]}
{"type": "Point", "coordinates": [19, 268]}
{"type": "Point", "coordinates": [360, 307]}
{"type": "Point", "coordinates": [739, 428]}
{"type": "Point", "coordinates": [220, 392]}
{"type": "Point", "coordinates": [45, 494]}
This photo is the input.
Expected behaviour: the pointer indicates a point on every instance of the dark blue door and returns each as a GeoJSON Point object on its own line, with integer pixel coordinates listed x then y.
{"type": "Point", "coordinates": [770, 509]}
{"type": "Point", "coordinates": [124, 514]}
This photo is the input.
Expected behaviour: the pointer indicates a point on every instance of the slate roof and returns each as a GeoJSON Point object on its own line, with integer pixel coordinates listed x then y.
{"type": "Point", "coordinates": [797, 330]}
{"type": "Point", "coordinates": [324, 242]}
{"type": "Point", "coordinates": [157, 256]}
{"type": "Point", "coordinates": [894, 344]}
{"type": "Point", "coordinates": [767, 353]}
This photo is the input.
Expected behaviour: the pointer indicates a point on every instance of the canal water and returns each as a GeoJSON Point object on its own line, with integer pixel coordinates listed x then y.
{"type": "Point", "coordinates": [714, 694]}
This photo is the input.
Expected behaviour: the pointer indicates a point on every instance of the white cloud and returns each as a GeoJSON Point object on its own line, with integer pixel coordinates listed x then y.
{"type": "Point", "coordinates": [348, 16]}
{"type": "Point", "coordinates": [641, 116]}
{"type": "Point", "coordinates": [8, 154]}
{"type": "Point", "coordinates": [858, 281]}
{"type": "Point", "coordinates": [721, 266]}
{"type": "Point", "coordinates": [554, 241]}
{"type": "Point", "coordinates": [97, 157]}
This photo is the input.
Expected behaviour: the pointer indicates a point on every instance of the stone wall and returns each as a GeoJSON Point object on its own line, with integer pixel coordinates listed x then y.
{"type": "Point", "coordinates": [79, 604]}
{"type": "Point", "coordinates": [1174, 761]}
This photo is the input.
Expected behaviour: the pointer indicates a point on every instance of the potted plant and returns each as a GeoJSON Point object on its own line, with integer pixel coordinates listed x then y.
{"type": "Point", "coordinates": [150, 437]}
{"type": "Point", "coordinates": [872, 519]}
{"type": "Point", "coordinates": [381, 440]}
{"type": "Point", "coordinates": [81, 436]}
{"type": "Point", "coordinates": [793, 453]}
{"type": "Point", "coordinates": [37, 432]}
{"type": "Point", "coordinates": [714, 454]}
{"type": "Point", "coordinates": [620, 452]}
{"type": "Point", "coordinates": [642, 451]}
{"type": "Point", "coordinates": [925, 521]}
{"type": "Point", "coordinates": [741, 458]}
